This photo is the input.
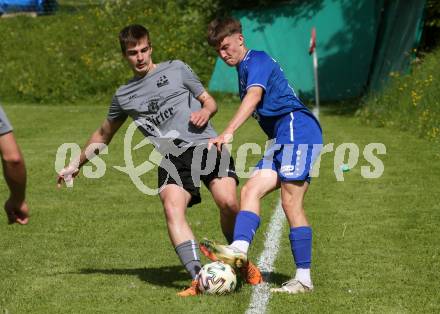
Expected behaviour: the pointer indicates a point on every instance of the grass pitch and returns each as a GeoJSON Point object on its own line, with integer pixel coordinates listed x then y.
{"type": "Point", "coordinates": [102, 247]}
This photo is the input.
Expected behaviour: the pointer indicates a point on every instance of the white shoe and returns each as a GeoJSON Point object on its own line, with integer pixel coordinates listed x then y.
{"type": "Point", "coordinates": [293, 286]}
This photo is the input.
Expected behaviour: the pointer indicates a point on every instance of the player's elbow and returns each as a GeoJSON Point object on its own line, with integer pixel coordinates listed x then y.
{"type": "Point", "coordinates": [103, 135]}
{"type": "Point", "coordinates": [255, 93]}
{"type": "Point", "coordinates": [214, 110]}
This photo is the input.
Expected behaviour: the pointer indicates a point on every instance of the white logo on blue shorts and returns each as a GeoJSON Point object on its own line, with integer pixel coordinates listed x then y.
{"type": "Point", "coordinates": [287, 170]}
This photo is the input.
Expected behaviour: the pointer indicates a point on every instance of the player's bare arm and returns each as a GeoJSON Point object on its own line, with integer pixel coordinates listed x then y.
{"type": "Point", "coordinates": [247, 107]}
{"type": "Point", "coordinates": [209, 109]}
{"type": "Point", "coordinates": [103, 135]}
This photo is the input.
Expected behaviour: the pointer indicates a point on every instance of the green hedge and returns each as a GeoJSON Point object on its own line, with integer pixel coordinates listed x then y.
{"type": "Point", "coordinates": [410, 102]}
{"type": "Point", "coordinates": [75, 53]}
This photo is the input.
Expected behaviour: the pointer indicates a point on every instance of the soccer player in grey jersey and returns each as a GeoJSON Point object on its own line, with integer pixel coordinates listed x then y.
{"type": "Point", "coordinates": [171, 107]}
{"type": "Point", "coordinates": [14, 171]}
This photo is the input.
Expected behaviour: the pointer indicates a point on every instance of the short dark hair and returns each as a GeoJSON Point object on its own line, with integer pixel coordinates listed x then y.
{"type": "Point", "coordinates": [220, 28]}
{"type": "Point", "coordinates": [131, 34]}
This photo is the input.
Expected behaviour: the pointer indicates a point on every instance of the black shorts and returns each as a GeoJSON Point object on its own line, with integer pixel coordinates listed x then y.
{"type": "Point", "coordinates": [194, 165]}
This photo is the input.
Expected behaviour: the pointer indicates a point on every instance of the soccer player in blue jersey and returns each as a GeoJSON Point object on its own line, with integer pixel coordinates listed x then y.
{"type": "Point", "coordinates": [296, 141]}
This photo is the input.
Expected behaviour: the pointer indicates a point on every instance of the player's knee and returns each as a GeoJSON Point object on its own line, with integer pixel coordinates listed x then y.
{"type": "Point", "coordinates": [250, 193]}
{"type": "Point", "coordinates": [172, 208]}
{"type": "Point", "coordinates": [229, 206]}
{"type": "Point", "coordinates": [13, 159]}
{"type": "Point", "coordinates": [292, 204]}
{"type": "Point", "coordinates": [173, 213]}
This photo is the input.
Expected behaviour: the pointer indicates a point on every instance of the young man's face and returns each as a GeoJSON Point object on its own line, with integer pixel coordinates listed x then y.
{"type": "Point", "coordinates": [139, 57]}
{"type": "Point", "coordinates": [232, 49]}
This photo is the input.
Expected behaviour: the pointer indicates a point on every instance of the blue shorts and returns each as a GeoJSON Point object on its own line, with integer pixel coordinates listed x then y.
{"type": "Point", "coordinates": [297, 144]}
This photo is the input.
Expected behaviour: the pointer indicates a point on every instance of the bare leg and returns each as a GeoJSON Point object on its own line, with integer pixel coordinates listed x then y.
{"type": "Point", "coordinates": [260, 184]}
{"type": "Point", "coordinates": [248, 220]}
{"type": "Point", "coordinates": [300, 236]}
{"type": "Point", "coordinates": [292, 198]}
{"type": "Point", "coordinates": [224, 192]}
{"type": "Point", "coordinates": [175, 200]}
{"type": "Point", "coordinates": [14, 171]}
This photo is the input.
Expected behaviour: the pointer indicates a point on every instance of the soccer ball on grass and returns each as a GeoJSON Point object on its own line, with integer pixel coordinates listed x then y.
{"type": "Point", "coordinates": [217, 278]}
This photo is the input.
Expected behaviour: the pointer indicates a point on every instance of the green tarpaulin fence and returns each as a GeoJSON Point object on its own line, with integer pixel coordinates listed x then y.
{"type": "Point", "coordinates": [358, 43]}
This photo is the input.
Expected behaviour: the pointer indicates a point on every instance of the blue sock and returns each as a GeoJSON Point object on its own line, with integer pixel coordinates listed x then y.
{"type": "Point", "coordinates": [246, 224]}
{"type": "Point", "coordinates": [301, 245]}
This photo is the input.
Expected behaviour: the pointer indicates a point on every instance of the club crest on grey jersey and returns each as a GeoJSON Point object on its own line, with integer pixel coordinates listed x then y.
{"type": "Point", "coordinates": [163, 80]}
{"type": "Point", "coordinates": [150, 106]}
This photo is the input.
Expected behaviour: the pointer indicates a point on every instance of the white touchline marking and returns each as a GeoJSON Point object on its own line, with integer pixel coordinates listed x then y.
{"type": "Point", "coordinates": [261, 293]}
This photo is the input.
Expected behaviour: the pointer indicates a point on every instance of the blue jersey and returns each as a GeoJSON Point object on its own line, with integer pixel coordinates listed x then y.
{"type": "Point", "coordinates": [258, 69]}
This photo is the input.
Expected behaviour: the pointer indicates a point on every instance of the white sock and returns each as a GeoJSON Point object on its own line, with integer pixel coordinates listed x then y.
{"type": "Point", "coordinates": [303, 275]}
{"type": "Point", "coordinates": [241, 245]}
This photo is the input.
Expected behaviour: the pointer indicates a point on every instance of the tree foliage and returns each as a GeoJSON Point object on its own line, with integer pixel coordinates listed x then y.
{"type": "Point", "coordinates": [431, 28]}
{"type": "Point", "coordinates": [75, 53]}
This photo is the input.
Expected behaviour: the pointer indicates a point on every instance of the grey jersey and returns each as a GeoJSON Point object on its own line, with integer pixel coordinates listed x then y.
{"type": "Point", "coordinates": [5, 125]}
{"type": "Point", "coordinates": [161, 103]}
